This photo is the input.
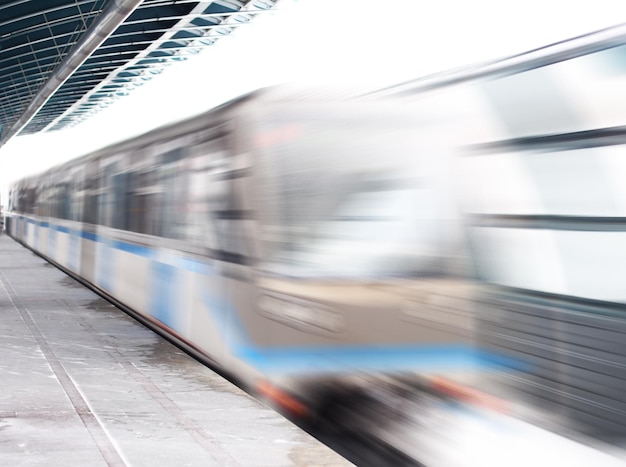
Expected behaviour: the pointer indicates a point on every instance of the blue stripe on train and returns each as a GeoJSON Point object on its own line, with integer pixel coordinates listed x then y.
{"type": "Point", "coordinates": [89, 235]}
{"type": "Point", "coordinates": [139, 250]}
{"type": "Point", "coordinates": [384, 358]}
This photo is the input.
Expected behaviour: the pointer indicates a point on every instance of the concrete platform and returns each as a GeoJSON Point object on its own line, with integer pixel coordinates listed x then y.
{"type": "Point", "coordinates": [83, 384]}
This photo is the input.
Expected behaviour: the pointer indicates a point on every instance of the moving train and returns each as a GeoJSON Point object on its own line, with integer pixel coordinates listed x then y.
{"type": "Point", "coordinates": [469, 223]}
{"type": "Point", "coordinates": [285, 238]}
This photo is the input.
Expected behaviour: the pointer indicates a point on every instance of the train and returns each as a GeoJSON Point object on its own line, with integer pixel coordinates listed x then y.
{"type": "Point", "coordinates": [464, 232]}
{"type": "Point", "coordinates": [289, 239]}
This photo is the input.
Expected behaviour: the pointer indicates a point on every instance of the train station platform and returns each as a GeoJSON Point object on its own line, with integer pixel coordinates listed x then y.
{"type": "Point", "coordinates": [83, 384]}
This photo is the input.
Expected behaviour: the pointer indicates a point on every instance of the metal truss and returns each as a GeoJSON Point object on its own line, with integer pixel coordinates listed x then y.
{"type": "Point", "coordinates": [61, 61]}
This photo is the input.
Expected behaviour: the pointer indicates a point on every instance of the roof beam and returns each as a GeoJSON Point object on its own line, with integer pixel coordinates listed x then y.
{"type": "Point", "coordinates": [110, 19]}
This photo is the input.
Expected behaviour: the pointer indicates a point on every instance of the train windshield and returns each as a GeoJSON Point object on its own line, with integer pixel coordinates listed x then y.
{"type": "Point", "coordinates": [349, 199]}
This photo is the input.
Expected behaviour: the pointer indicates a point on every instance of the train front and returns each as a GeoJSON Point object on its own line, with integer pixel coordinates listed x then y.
{"type": "Point", "coordinates": [362, 270]}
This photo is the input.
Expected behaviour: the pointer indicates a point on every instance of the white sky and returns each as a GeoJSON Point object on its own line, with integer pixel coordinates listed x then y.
{"type": "Point", "coordinates": [366, 42]}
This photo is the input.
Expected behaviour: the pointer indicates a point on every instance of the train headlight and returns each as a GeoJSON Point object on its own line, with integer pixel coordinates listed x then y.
{"type": "Point", "coordinates": [300, 314]}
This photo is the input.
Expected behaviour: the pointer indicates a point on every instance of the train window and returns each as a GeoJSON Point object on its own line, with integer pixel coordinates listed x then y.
{"type": "Point", "coordinates": [348, 200]}
{"type": "Point", "coordinates": [30, 201]}
{"type": "Point", "coordinates": [588, 264]}
{"type": "Point", "coordinates": [213, 214]}
{"type": "Point", "coordinates": [106, 201]}
{"type": "Point", "coordinates": [47, 194]}
{"type": "Point", "coordinates": [27, 199]}
{"type": "Point", "coordinates": [187, 193]}
{"type": "Point", "coordinates": [120, 218]}
{"type": "Point", "coordinates": [207, 195]}
{"type": "Point", "coordinates": [62, 195]}
{"type": "Point", "coordinates": [91, 204]}
{"type": "Point", "coordinates": [496, 183]}
{"type": "Point", "coordinates": [576, 182]}
{"type": "Point", "coordinates": [76, 194]}
{"type": "Point", "coordinates": [177, 191]}
{"type": "Point", "coordinates": [145, 193]}
{"type": "Point", "coordinates": [198, 225]}
{"type": "Point", "coordinates": [171, 177]}
{"type": "Point", "coordinates": [553, 222]}
{"type": "Point", "coordinates": [545, 181]}
{"type": "Point", "coordinates": [44, 205]}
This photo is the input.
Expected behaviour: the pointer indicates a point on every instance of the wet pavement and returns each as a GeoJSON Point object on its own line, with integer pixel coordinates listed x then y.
{"type": "Point", "coordinates": [83, 384]}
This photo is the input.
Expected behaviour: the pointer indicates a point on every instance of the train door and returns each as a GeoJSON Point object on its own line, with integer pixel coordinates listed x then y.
{"type": "Point", "coordinates": [199, 207]}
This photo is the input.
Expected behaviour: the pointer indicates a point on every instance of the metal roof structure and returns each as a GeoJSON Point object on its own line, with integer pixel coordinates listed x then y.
{"type": "Point", "coordinates": [61, 61]}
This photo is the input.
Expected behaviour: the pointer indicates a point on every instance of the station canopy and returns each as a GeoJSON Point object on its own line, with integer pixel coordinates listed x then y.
{"type": "Point", "coordinates": [63, 60]}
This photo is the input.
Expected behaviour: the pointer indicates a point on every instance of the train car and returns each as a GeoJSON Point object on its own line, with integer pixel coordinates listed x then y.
{"type": "Point", "coordinates": [285, 239]}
